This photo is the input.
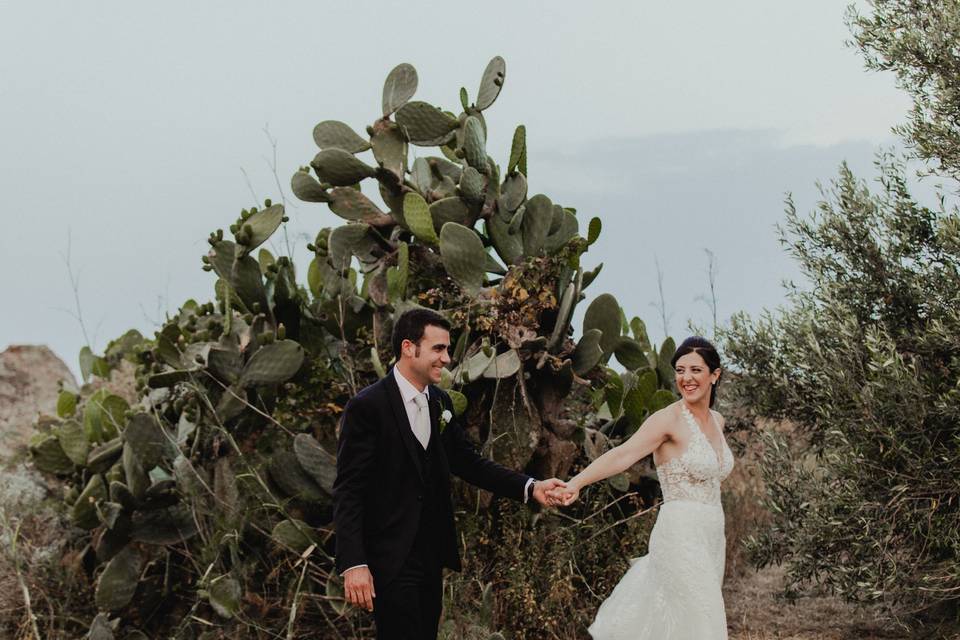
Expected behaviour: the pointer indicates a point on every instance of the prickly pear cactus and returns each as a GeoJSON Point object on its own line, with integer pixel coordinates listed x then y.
{"type": "Point", "coordinates": [208, 501]}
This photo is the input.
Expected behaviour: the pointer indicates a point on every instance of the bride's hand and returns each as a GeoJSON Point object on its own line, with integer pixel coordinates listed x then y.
{"type": "Point", "coordinates": [566, 496]}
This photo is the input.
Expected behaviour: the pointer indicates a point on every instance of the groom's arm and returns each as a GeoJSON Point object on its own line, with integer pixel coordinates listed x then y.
{"type": "Point", "coordinates": [467, 463]}
{"type": "Point", "coordinates": [356, 451]}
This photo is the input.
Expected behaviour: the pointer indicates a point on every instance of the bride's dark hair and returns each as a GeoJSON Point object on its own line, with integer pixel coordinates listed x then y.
{"type": "Point", "coordinates": [697, 344]}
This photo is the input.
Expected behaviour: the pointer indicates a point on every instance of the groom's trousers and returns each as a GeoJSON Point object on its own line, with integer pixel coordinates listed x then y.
{"type": "Point", "coordinates": [408, 608]}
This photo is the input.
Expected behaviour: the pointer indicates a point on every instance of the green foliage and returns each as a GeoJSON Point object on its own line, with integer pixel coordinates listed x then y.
{"type": "Point", "coordinates": [916, 39]}
{"type": "Point", "coordinates": [864, 365]}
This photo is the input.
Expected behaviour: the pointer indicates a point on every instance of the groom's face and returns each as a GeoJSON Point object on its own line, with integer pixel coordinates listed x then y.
{"type": "Point", "coordinates": [428, 358]}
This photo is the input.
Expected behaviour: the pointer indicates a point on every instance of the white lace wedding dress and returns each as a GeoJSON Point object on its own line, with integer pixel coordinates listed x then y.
{"type": "Point", "coordinates": [673, 593]}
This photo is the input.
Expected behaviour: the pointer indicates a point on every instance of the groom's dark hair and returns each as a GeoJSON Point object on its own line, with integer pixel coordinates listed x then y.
{"type": "Point", "coordinates": [411, 324]}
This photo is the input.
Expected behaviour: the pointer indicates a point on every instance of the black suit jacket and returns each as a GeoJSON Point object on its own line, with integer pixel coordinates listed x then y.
{"type": "Point", "coordinates": [378, 493]}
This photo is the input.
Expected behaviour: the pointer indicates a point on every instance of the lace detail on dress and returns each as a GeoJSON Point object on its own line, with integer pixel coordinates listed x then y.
{"type": "Point", "coordinates": [695, 475]}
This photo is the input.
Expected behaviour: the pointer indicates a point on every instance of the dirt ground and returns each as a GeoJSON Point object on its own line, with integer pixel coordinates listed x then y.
{"type": "Point", "coordinates": [755, 612]}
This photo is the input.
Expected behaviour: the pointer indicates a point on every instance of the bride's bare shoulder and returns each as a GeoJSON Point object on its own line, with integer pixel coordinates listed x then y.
{"type": "Point", "coordinates": [667, 420]}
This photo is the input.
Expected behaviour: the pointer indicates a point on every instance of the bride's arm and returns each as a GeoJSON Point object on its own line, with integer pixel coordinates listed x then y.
{"type": "Point", "coordinates": [654, 431]}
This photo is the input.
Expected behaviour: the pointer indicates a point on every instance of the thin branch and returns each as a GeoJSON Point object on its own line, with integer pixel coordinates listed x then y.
{"type": "Point", "coordinates": [661, 305]}
{"type": "Point", "coordinates": [75, 286]}
{"type": "Point", "coordinates": [711, 298]}
{"type": "Point", "coordinates": [246, 178]}
{"type": "Point", "coordinates": [272, 163]}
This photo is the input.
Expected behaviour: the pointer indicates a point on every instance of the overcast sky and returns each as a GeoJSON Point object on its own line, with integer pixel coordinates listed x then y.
{"type": "Point", "coordinates": [134, 129]}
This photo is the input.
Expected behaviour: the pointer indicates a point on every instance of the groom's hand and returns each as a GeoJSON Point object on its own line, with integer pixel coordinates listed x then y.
{"type": "Point", "coordinates": [544, 491]}
{"type": "Point", "coordinates": [358, 587]}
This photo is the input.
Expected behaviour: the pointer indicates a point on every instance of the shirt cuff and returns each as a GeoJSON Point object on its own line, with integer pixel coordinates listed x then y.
{"type": "Point", "coordinates": [526, 489]}
{"type": "Point", "coordinates": [356, 566]}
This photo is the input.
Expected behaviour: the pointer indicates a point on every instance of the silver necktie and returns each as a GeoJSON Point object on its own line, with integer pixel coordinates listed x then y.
{"type": "Point", "coordinates": [421, 425]}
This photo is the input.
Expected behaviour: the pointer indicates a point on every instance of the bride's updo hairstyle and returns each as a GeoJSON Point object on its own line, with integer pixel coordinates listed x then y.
{"type": "Point", "coordinates": [697, 344]}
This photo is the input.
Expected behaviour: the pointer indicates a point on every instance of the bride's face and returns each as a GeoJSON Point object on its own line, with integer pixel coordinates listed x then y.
{"type": "Point", "coordinates": [694, 378]}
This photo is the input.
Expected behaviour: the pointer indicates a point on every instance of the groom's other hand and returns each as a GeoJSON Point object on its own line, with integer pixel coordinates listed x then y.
{"type": "Point", "coordinates": [544, 491]}
{"type": "Point", "coordinates": [358, 587]}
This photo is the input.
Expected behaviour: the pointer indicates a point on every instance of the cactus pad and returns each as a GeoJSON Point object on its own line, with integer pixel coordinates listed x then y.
{"type": "Point", "coordinates": [463, 256]}
{"type": "Point", "coordinates": [333, 134]}
{"type": "Point", "coordinates": [272, 364]}
{"type": "Point", "coordinates": [340, 168]}
{"type": "Point", "coordinates": [321, 465]}
{"type": "Point", "coordinates": [491, 83]}
{"type": "Point", "coordinates": [119, 580]}
{"type": "Point", "coordinates": [400, 85]}
{"type": "Point", "coordinates": [425, 125]}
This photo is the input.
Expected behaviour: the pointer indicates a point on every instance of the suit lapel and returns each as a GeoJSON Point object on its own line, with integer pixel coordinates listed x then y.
{"type": "Point", "coordinates": [435, 406]}
{"type": "Point", "coordinates": [403, 422]}
{"type": "Point", "coordinates": [434, 411]}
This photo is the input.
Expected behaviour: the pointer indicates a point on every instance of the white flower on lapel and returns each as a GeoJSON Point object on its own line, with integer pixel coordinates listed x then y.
{"type": "Point", "coordinates": [445, 417]}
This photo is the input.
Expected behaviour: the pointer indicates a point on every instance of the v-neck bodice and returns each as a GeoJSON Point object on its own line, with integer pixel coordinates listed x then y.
{"type": "Point", "coordinates": [696, 474]}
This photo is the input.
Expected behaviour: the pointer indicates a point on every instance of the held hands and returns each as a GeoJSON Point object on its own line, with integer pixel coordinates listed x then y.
{"type": "Point", "coordinates": [565, 495]}
{"type": "Point", "coordinates": [358, 587]}
{"type": "Point", "coordinates": [544, 491]}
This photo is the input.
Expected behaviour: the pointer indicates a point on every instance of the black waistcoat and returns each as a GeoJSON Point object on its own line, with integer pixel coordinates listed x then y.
{"type": "Point", "coordinates": [428, 538]}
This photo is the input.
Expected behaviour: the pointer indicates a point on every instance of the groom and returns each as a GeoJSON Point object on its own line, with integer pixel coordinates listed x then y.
{"type": "Point", "coordinates": [391, 499]}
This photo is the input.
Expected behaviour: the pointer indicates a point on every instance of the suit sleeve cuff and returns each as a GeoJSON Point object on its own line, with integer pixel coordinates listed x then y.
{"type": "Point", "coordinates": [526, 490]}
{"type": "Point", "coordinates": [356, 566]}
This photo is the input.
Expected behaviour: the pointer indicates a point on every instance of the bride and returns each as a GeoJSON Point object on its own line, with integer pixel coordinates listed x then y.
{"type": "Point", "coordinates": [674, 591]}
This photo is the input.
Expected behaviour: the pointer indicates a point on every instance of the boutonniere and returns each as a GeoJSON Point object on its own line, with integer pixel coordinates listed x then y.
{"type": "Point", "coordinates": [445, 417]}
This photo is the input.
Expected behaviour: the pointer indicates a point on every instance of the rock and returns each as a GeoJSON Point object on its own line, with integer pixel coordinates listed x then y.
{"type": "Point", "coordinates": [29, 377]}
